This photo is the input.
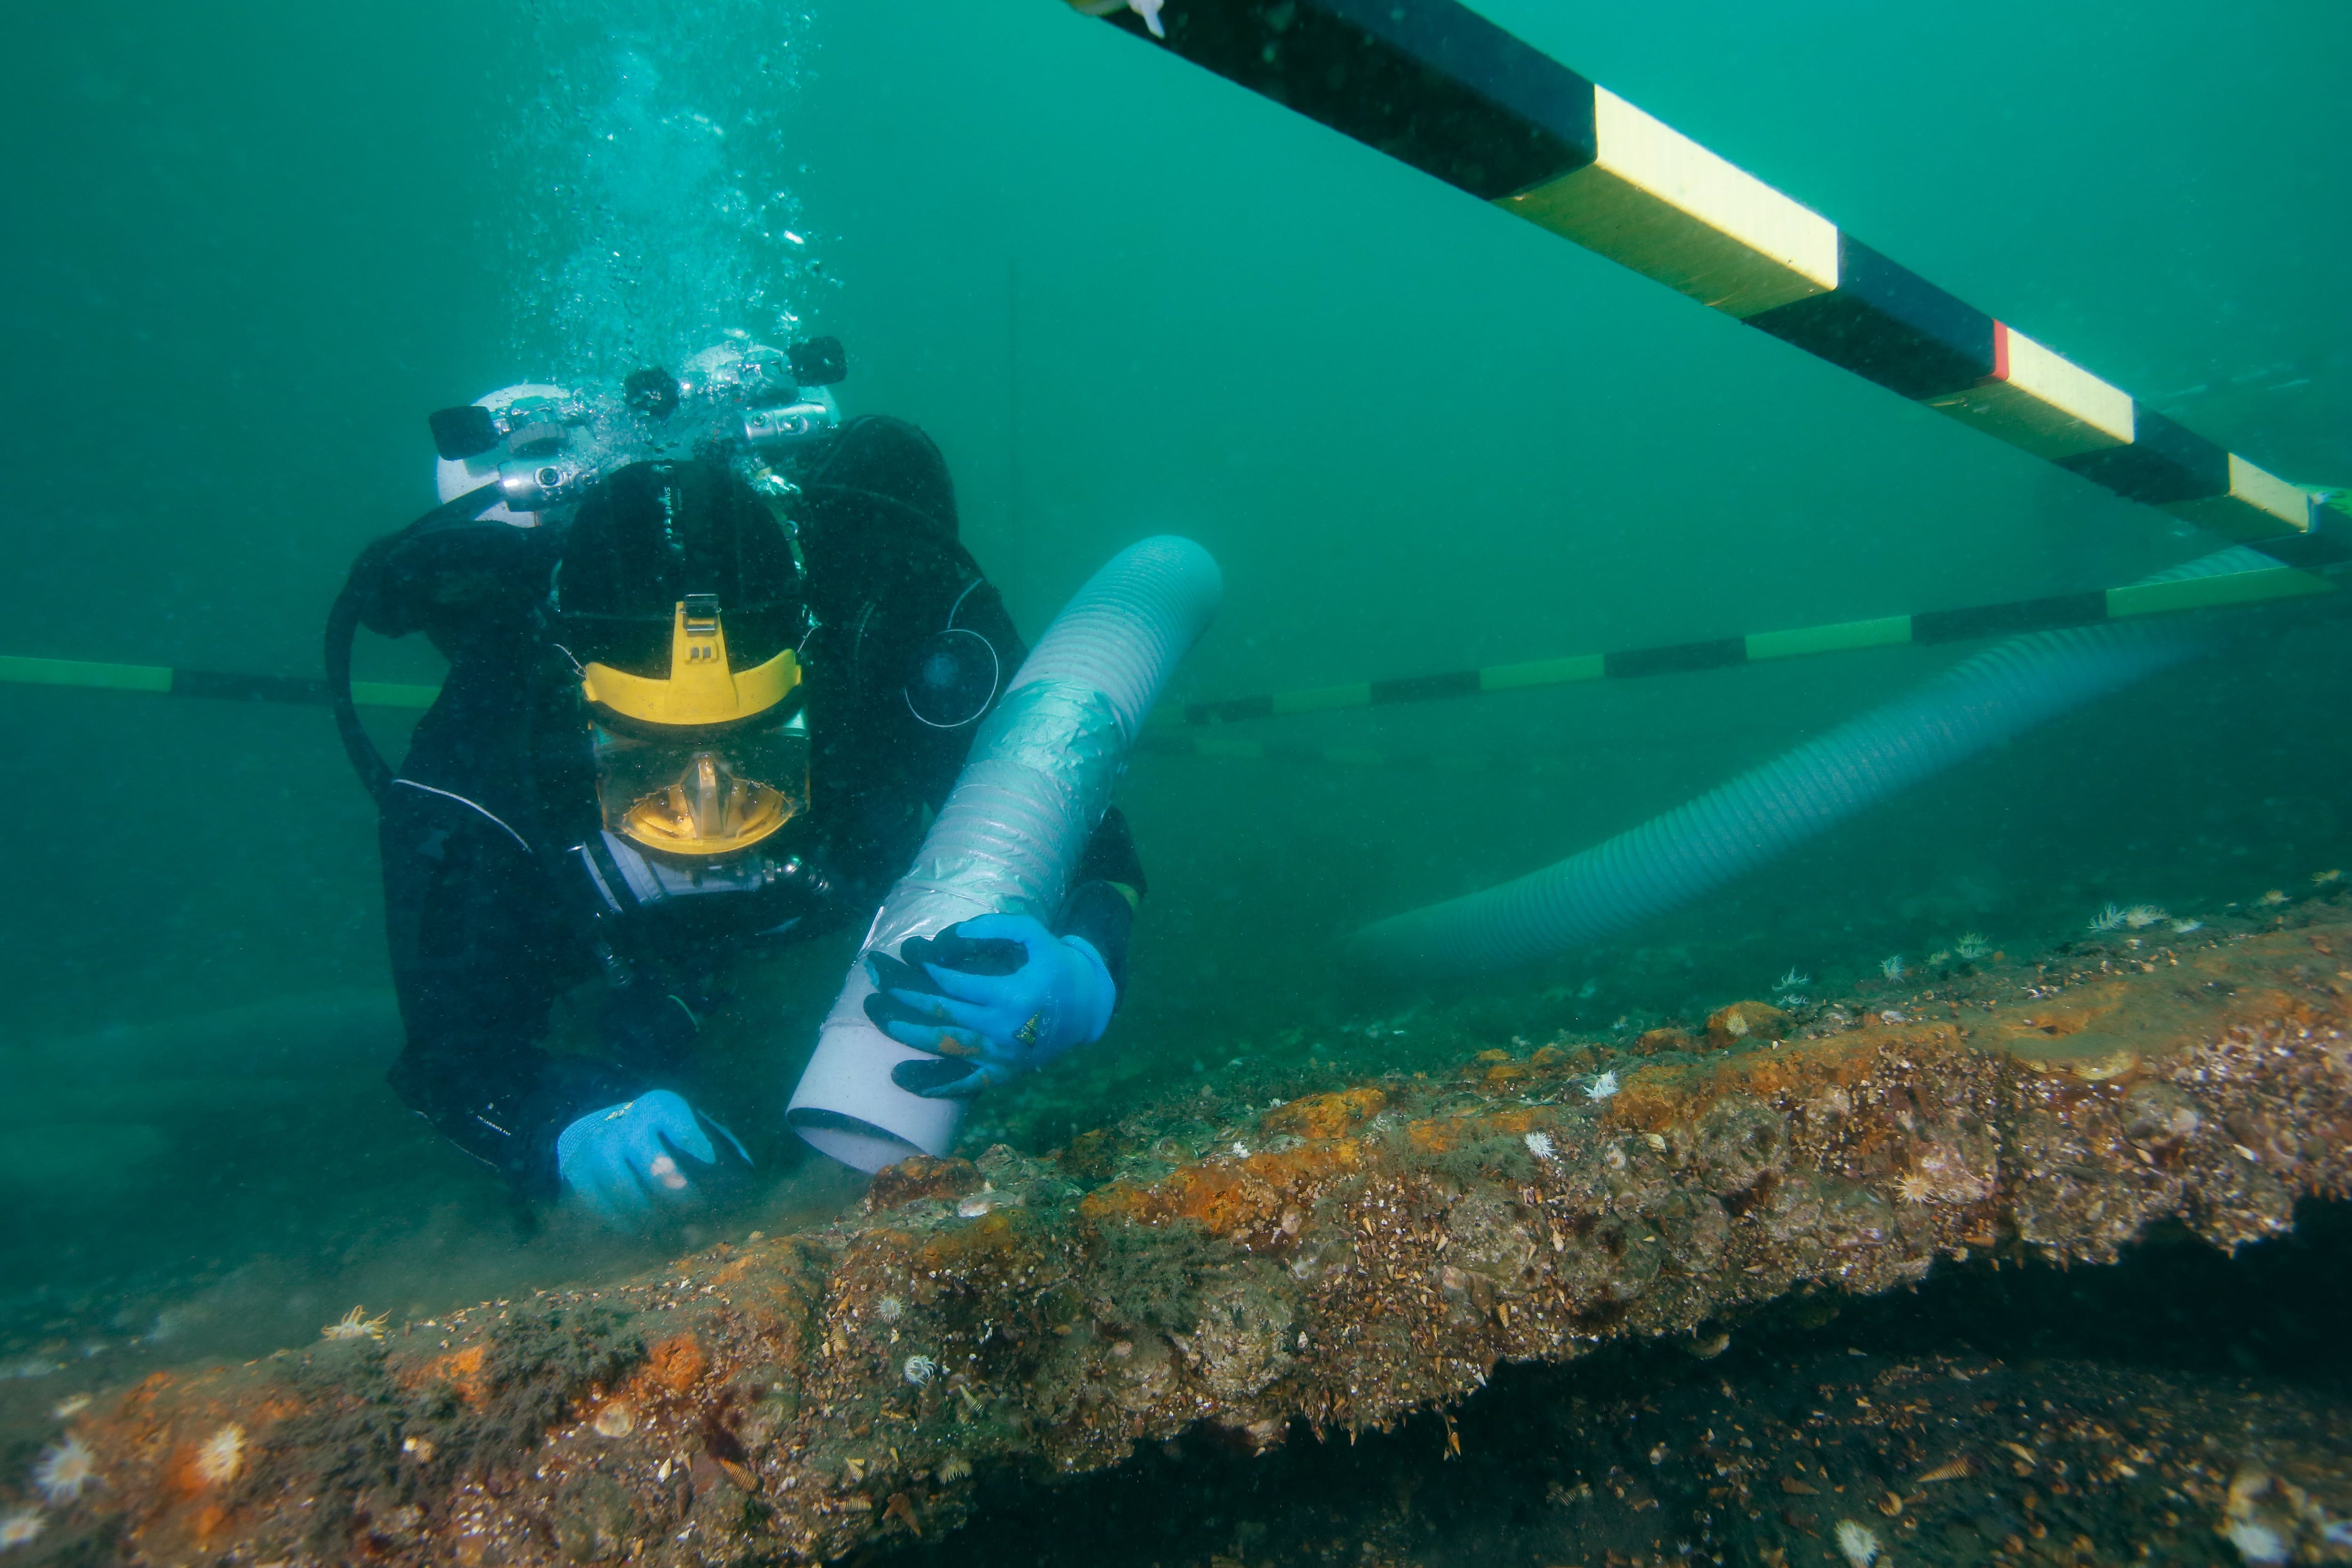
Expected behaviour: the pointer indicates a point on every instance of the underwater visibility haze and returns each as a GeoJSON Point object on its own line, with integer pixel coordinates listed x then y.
{"type": "Point", "coordinates": [1405, 852]}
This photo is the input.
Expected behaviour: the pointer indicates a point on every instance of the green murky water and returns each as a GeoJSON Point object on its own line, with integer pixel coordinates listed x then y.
{"type": "Point", "coordinates": [245, 248]}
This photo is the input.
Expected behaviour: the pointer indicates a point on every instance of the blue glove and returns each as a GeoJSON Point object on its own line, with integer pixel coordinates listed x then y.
{"type": "Point", "coordinates": [991, 998]}
{"type": "Point", "coordinates": [623, 1159]}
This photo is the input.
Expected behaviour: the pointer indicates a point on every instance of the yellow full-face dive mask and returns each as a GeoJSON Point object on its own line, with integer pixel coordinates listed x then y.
{"type": "Point", "coordinates": [703, 797]}
{"type": "Point", "coordinates": [707, 762]}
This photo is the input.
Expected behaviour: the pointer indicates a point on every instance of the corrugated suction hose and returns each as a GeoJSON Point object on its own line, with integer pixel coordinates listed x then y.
{"type": "Point", "coordinates": [1038, 779]}
{"type": "Point", "coordinates": [1672, 859]}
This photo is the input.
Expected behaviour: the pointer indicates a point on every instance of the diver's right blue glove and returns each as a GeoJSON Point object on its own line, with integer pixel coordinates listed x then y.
{"type": "Point", "coordinates": [990, 998]}
{"type": "Point", "coordinates": [625, 1159]}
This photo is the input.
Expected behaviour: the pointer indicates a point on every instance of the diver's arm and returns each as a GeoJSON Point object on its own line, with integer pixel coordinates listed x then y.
{"type": "Point", "coordinates": [1105, 894]}
{"type": "Point", "coordinates": [896, 465]}
{"type": "Point", "coordinates": [478, 951]}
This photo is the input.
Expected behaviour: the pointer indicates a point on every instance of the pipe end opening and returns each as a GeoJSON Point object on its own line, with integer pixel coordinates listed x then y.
{"type": "Point", "coordinates": [855, 1143]}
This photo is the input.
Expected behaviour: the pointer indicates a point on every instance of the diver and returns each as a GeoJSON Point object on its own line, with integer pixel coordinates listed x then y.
{"type": "Point", "coordinates": [716, 656]}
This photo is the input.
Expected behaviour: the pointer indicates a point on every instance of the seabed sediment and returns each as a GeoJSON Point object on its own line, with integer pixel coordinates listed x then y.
{"type": "Point", "coordinates": [1341, 1262]}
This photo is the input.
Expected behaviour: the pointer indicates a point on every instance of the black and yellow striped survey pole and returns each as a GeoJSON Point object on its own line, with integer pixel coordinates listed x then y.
{"type": "Point", "coordinates": [1435, 85]}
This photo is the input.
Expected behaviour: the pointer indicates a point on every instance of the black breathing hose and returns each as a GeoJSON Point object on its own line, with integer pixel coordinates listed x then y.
{"type": "Point", "coordinates": [342, 627]}
{"type": "Point", "coordinates": [370, 586]}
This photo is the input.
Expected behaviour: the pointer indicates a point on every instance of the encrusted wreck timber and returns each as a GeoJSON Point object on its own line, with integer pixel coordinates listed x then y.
{"type": "Point", "coordinates": [1349, 1257]}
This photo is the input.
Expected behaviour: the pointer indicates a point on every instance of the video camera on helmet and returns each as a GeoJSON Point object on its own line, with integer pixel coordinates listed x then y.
{"type": "Point", "coordinates": [524, 424]}
{"type": "Point", "coordinates": [535, 484]}
{"type": "Point", "coordinates": [788, 425]}
{"type": "Point", "coordinates": [545, 451]}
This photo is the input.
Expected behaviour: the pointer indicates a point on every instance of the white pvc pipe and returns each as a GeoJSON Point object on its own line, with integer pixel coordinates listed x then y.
{"type": "Point", "coordinates": [1039, 777]}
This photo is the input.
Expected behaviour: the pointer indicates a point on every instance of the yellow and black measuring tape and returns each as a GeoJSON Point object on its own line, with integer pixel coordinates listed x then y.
{"type": "Point", "coordinates": [2266, 585]}
{"type": "Point", "coordinates": [164, 680]}
{"type": "Point", "coordinates": [2262, 586]}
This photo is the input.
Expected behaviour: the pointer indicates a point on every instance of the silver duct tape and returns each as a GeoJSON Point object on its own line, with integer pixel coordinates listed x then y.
{"type": "Point", "coordinates": [1048, 761]}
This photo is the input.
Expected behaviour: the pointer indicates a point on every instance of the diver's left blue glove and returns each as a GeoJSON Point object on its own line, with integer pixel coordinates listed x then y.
{"type": "Point", "coordinates": [626, 1159]}
{"type": "Point", "coordinates": [989, 998]}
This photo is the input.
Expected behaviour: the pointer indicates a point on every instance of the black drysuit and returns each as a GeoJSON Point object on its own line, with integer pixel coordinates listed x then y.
{"type": "Point", "coordinates": [501, 889]}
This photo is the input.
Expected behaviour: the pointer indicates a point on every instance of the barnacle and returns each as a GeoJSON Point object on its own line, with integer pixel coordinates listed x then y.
{"type": "Point", "coordinates": [1938, 1174]}
{"type": "Point", "coordinates": [356, 1324]}
{"type": "Point", "coordinates": [64, 1469]}
{"type": "Point", "coordinates": [221, 1455]}
{"type": "Point", "coordinates": [1857, 1543]}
